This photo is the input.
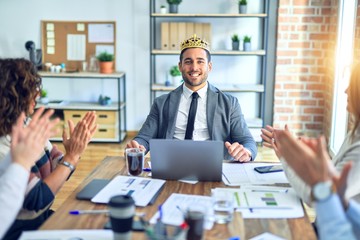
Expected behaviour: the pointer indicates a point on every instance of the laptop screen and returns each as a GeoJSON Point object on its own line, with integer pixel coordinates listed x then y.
{"type": "Point", "coordinates": [186, 159]}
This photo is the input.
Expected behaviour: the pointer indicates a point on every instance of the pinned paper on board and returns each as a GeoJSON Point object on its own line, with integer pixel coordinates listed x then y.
{"type": "Point", "coordinates": [104, 48]}
{"type": "Point", "coordinates": [50, 27]}
{"type": "Point", "coordinates": [50, 34]}
{"type": "Point", "coordinates": [50, 50]}
{"type": "Point", "coordinates": [101, 33]}
{"type": "Point", "coordinates": [51, 42]}
{"type": "Point", "coordinates": [80, 27]}
{"type": "Point", "coordinates": [76, 47]}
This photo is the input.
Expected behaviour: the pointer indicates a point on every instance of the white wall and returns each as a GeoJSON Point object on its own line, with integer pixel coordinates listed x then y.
{"type": "Point", "coordinates": [20, 22]}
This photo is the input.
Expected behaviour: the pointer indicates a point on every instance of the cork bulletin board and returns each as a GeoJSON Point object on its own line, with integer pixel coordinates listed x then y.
{"type": "Point", "coordinates": [74, 42]}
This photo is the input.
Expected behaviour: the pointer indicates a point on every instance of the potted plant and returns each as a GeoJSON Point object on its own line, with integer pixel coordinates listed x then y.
{"type": "Point", "coordinates": [247, 43]}
{"type": "Point", "coordinates": [44, 97]}
{"type": "Point", "coordinates": [106, 61]}
{"type": "Point", "coordinates": [104, 100]}
{"type": "Point", "coordinates": [175, 74]}
{"type": "Point", "coordinates": [173, 5]}
{"type": "Point", "coordinates": [242, 6]}
{"type": "Point", "coordinates": [162, 9]}
{"type": "Point", "coordinates": [235, 42]}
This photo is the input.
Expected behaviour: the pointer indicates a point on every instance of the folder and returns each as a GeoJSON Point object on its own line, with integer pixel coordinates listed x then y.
{"type": "Point", "coordinates": [174, 41]}
{"type": "Point", "coordinates": [198, 29]}
{"type": "Point", "coordinates": [182, 32]}
{"type": "Point", "coordinates": [165, 36]}
{"type": "Point", "coordinates": [207, 33]}
{"type": "Point", "coordinates": [189, 29]}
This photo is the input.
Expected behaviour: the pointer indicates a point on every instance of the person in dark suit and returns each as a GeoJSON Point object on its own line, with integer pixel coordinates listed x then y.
{"type": "Point", "coordinates": [197, 110]}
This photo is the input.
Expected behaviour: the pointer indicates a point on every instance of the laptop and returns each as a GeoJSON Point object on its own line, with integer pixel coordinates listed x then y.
{"type": "Point", "coordinates": [186, 159]}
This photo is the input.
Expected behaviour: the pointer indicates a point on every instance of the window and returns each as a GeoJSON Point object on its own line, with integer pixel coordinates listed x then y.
{"type": "Point", "coordinates": [344, 57]}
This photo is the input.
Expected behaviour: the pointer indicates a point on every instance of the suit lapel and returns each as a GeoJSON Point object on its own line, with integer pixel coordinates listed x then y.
{"type": "Point", "coordinates": [212, 101]}
{"type": "Point", "coordinates": [174, 101]}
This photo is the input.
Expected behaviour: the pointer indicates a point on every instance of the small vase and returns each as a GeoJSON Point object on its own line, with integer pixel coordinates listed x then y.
{"type": "Point", "coordinates": [247, 46]}
{"type": "Point", "coordinates": [235, 46]}
{"type": "Point", "coordinates": [163, 10]}
{"type": "Point", "coordinates": [173, 8]}
{"type": "Point", "coordinates": [242, 9]}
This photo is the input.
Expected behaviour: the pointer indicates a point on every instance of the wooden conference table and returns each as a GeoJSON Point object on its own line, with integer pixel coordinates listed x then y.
{"type": "Point", "coordinates": [297, 228]}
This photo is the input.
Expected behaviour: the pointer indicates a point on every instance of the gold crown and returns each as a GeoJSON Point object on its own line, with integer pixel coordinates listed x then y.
{"type": "Point", "coordinates": [194, 42]}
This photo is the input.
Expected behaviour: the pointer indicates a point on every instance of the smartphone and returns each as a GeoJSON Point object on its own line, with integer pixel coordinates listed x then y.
{"type": "Point", "coordinates": [269, 169]}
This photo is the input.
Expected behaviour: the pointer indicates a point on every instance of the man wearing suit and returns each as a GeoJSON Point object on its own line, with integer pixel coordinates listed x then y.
{"type": "Point", "coordinates": [197, 110]}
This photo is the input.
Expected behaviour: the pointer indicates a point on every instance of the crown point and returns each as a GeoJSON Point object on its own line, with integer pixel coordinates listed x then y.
{"type": "Point", "coordinates": [194, 42]}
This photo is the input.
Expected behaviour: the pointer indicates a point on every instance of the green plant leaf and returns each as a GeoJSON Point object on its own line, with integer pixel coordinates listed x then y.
{"type": "Point", "coordinates": [105, 57]}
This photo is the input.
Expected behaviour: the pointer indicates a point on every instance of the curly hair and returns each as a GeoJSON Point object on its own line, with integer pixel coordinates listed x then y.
{"type": "Point", "coordinates": [19, 85]}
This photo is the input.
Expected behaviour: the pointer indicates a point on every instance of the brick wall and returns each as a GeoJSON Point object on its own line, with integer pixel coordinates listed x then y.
{"type": "Point", "coordinates": [330, 68]}
{"type": "Point", "coordinates": [357, 37]}
{"type": "Point", "coordinates": [305, 59]}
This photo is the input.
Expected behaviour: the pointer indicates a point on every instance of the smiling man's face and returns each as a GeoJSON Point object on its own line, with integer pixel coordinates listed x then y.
{"type": "Point", "coordinates": [195, 68]}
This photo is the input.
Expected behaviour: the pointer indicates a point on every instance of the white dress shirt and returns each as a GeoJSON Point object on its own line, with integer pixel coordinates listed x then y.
{"type": "Point", "coordinates": [201, 132]}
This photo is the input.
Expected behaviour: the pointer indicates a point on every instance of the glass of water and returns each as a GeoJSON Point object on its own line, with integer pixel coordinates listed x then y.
{"type": "Point", "coordinates": [223, 205]}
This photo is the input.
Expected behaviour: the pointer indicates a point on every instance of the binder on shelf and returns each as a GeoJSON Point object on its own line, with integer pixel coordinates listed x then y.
{"type": "Point", "coordinates": [207, 33]}
{"type": "Point", "coordinates": [174, 44]}
{"type": "Point", "coordinates": [181, 32]}
{"type": "Point", "coordinates": [190, 29]}
{"type": "Point", "coordinates": [165, 36]}
{"type": "Point", "coordinates": [198, 29]}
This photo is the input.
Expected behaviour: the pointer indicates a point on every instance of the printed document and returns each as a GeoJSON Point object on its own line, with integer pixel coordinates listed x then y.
{"type": "Point", "coordinates": [67, 234]}
{"type": "Point", "coordinates": [174, 209]}
{"type": "Point", "coordinates": [141, 189]}
{"type": "Point", "coordinates": [236, 174]}
{"type": "Point", "coordinates": [266, 202]}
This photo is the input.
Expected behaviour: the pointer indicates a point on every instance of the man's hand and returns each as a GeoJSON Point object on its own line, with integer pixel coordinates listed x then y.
{"type": "Point", "coordinates": [135, 144]}
{"type": "Point", "coordinates": [238, 152]}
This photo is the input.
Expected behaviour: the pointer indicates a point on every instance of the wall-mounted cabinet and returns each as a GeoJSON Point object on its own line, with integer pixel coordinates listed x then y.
{"type": "Point", "coordinates": [248, 75]}
{"type": "Point", "coordinates": [83, 90]}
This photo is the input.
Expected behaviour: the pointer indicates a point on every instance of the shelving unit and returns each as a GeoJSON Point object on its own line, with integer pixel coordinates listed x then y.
{"type": "Point", "coordinates": [111, 119]}
{"type": "Point", "coordinates": [264, 86]}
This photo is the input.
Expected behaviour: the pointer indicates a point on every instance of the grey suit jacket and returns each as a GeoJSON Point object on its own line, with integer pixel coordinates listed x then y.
{"type": "Point", "coordinates": [224, 119]}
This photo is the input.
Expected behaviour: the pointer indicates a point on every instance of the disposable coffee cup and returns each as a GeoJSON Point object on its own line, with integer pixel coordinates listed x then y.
{"type": "Point", "coordinates": [122, 210]}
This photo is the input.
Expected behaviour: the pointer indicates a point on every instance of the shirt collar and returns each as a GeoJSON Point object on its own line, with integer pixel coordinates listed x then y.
{"type": "Point", "coordinates": [202, 92]}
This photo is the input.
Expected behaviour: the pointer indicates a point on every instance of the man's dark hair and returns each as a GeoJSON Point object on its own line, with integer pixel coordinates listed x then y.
{"type": "Point", "coordinates": [208, 55]}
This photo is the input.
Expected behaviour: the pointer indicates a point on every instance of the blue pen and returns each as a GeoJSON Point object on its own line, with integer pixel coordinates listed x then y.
{"type": "Point", "coordinates": [160, 212]}
{"type": "Point", "coordinates": [147, 169]}
{"type": "Point", "coordinates": [160, 228]}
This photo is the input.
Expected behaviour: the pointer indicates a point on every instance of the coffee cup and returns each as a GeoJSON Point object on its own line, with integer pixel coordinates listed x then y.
{"type": "Point", "coordinates": [122, 210]}
{"type": "Point", "coordinates": [134, 161]}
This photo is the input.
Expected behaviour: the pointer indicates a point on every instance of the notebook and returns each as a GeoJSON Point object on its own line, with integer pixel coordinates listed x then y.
{"type": "Point", "coordinates": [186, 159]}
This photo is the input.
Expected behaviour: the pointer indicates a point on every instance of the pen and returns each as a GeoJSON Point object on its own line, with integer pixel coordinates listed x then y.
{"type": "Point", "coordinates": [79, 212]}
{"type": "Point", "coordinates": [147, 169]}
{"type": "Point", "coordinates": [269, 208]}
{"type": "Point", "coordinates": [271, 191]}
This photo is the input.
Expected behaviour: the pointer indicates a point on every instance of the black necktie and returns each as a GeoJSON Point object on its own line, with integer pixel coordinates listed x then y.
{"type": "Point", "coordinates": [191, 116]}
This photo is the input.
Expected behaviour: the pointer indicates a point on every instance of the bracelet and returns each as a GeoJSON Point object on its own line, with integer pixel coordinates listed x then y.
{"type": "Point", "coordinates": [70, 166]}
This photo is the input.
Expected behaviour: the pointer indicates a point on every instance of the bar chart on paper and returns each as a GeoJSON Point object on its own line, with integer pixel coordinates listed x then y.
{"type": "Point", "coordinates": [267, 203]}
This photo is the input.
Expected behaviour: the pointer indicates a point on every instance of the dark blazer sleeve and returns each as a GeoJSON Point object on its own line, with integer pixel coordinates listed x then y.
{"type": "Point", "coordinates": [150, 128]}
{"type": "Point", "coordinates": [156, 123]}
